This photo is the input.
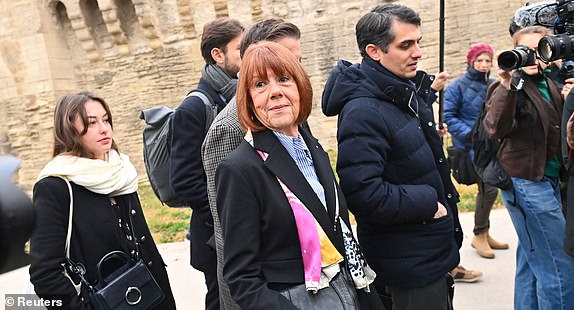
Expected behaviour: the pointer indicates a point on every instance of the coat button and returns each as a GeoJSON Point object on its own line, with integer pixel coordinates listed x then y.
{"type": "Point", "coordinates": [133, 252]}
{"type": "Point", "coordinates": [142, 239]}
{"type": "Point", "coordinates": [133, 212]}
{"type": "Point", "coordinates": [149, 263]}
{"type": "Point", "coordinates": [449, 196]}
{"type": "Point", "coordinates": [430, 124]}
{"type": "Point", "coordinates": [441, 160]}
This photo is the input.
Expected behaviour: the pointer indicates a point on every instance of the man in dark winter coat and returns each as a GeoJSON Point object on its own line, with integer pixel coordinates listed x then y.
{"type": "Point", "coordinates": [220, 44]}
{"type": "Point", "coordinates": [391, 163]}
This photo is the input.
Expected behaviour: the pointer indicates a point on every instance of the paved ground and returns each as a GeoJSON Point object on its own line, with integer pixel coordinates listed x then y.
{"type": "Point", "coordinates": [495, 291]}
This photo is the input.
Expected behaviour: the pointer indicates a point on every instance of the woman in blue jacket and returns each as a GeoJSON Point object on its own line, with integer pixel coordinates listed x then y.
{"type": "Point", "coordinates": [462, 103]}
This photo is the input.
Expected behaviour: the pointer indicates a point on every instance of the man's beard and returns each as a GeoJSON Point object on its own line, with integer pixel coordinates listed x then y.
{"type": "Point", "coordinates": [231, 69]}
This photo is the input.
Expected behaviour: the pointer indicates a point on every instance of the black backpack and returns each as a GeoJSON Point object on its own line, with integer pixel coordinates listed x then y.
{"type": "Point", "coordinates": [486, 155]}
{"type": "Point", "coordinates": [157, 143]}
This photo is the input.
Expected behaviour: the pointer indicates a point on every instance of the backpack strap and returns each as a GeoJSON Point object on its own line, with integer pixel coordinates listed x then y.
{"type": "Point", "coordinates": [210, 106]}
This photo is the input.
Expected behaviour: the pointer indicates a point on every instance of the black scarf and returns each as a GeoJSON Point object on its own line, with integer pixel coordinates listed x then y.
{"type": "Point", "coordinates": [220, 80]}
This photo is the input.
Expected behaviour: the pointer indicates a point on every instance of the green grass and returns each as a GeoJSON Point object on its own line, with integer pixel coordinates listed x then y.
{"type": "Point", "coordinates": [166, 224]}
{"type": "Point", "coordinates": [467, 201]}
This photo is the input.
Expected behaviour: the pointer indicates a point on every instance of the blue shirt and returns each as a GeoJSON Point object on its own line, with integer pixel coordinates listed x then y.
{"type": "Point", "coordinates": [299, 151]}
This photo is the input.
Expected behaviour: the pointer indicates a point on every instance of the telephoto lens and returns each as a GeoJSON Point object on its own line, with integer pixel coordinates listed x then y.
{"type": "Point", "coordinates": [520, 56]}
{"type": "Point", "coordinates": [556, 47]}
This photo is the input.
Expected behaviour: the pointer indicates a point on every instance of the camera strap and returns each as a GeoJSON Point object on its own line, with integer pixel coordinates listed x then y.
{"type": "Point", "coordinates": [517, 82]}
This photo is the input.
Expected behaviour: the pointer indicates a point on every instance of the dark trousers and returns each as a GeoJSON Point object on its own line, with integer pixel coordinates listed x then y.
{"type": "Point", "coordinates": [484, 201]}
{"type": "Point", "coordinates": [436, 296]}
{"type": "Point", "coordinates": [212, 296]}
{"type": "Point", "coordinates": [204, 258]}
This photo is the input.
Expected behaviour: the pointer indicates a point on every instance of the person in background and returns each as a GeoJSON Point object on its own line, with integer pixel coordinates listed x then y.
{"type": "Point", "coordinates": [524, 109]}
{"type": "Point", "coordinates": [285, 223]}
{"type": "Point", "coordinates": [391, 164]}
{"type": "Point", "coordinates": [87, 172]}
{"type": "Point", "coordinates": [226, 134]}
{"type": "Point", "coordinates": [220, 44]}
{"type": "Point", "coordinates": [463, 100]}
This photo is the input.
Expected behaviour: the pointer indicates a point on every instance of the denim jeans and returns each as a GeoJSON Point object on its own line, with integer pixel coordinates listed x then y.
{"type": "Point", "coordinates": [544, 272]}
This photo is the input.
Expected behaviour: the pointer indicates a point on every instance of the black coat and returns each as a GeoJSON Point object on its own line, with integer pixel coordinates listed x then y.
{"type": "Point", "coordinates": [187, 177]}
{"type": "Point", "coordinates": [261, 251]}
{"type": "Point", "coordinates": [393, 172]}
{"type": "Point", "coordinates": [95, 232]}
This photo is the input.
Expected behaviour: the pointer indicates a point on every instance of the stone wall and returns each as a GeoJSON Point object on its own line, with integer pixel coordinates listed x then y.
{"type": "Point", "coordinates": [141, 53]}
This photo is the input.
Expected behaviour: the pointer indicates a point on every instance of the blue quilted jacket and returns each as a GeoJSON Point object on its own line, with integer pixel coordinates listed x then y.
{"type": "Point", "coordinates": [463, 98]}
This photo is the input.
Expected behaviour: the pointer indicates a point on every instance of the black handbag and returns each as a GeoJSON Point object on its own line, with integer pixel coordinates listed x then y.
{"type": "Point", "coordinates": [461, 165]}
{"type": "Point", "coordinates": [129, 286]}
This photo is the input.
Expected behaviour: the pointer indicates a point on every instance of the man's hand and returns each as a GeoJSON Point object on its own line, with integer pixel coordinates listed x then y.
{"type": "Point", "coordinates": [440, 212]}
{"type": "Point", "coordinates": [440, 81]}
{"type": "Point", "coordinates": [442, 131]}
{"type": "Point", "coordinates": [568, 84]}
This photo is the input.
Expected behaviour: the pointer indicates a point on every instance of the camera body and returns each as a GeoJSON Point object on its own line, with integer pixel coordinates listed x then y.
{"type": "Point", "coordinates": [520, 56]}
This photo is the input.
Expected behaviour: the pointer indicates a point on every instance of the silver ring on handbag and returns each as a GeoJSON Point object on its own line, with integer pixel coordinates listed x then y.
{"type": "Point", "coordinates": [130, 290]}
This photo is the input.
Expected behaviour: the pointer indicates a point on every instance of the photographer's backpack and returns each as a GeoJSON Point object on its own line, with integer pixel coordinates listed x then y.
{"type": "Point", "coordinates": [157, 143]}
{"type": "Point", "coordinates": [485, 158]}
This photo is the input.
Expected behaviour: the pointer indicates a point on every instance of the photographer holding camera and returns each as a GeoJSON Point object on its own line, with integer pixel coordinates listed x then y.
{"type": "Point", "coordinates": [524, 110]}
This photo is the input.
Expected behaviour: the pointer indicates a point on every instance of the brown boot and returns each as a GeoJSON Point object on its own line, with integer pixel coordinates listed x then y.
{"type": "Point", "coordinates": [480, 243]}
{"type": "Point", "coordinates": [496, 245]}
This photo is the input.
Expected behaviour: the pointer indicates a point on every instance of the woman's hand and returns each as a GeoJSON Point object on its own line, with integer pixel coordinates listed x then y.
{"type": "Point", "coordinates": [505, 78]}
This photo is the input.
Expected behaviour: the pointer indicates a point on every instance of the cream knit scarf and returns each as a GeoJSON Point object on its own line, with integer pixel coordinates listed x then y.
{"type": "Point", "coordinates": [116, 176]}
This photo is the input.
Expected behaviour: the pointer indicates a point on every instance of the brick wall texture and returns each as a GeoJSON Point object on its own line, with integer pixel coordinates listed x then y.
{"type": "Point", "coordinates": [140, 53]}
